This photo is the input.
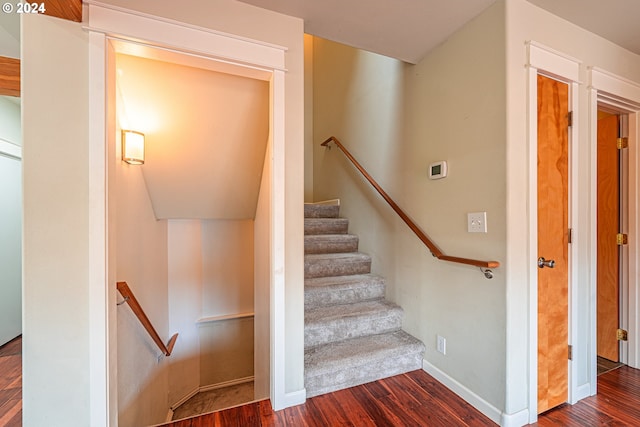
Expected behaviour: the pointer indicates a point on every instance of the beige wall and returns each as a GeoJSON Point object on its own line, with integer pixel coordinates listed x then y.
{"type": "Point", "coordinates": [262, 283]}
{"type": "Point", "coordinates": [185, 300]}
{"type": "Point", "coordinates": [248, 21]}
{"type": "Point", "coordinates": [141, 257]}
{"type": "Point", "coordinates": [210, 276]}
{"type": "Point", "coordinates": [226, 350]}
{"type": "Point", "coordinates": [465, 103]}
{"type": "Point", "coordinates": [397, 119]}
{"type": "Point", "coordinates": [308, 118]}
{"type": "Point", "coordinates": [227, 267]}
{"type": "Point", "coordinates": [56, 237]}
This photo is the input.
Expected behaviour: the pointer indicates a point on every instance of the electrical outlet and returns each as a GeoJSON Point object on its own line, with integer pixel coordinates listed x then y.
{"type": "Point", "coordinates": [441, 344]}
{"type": "Point", "coordinates": [477, 222]}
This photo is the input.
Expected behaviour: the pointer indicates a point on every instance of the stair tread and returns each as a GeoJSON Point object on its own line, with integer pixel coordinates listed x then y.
{"type": "Point", "coordinates": [315, 226]}
{"type": "Point", "coordinates": [358, 351]}
{"type": "Point", "coordinates": [331, 290]}
{"type": "Point", "coordinates": [355, 256]}
{"type": "Point", "coordinates": [330, 243]}
{"type": "Point", "coordinates": [318, 316]}
{"type": "Point", "coordinates": [353, 280]}
{"type": "Point", "coordinates": [331, 237]}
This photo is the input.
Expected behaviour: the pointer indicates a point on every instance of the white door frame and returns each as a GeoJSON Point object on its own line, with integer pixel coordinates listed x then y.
{"type": "Point", "coordinates": [624, 96]}
{"type": "Point", "coordinates": [551, 63]}
{"type": "Point", "coordinates": [108, 23]}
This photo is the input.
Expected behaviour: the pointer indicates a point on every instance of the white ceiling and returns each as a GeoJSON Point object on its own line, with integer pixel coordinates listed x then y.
{"type": "Point", "coordinates": [615, 20]}
{"type": "Point", "coordinates": [409, 29]}
{"type": "Point", "coordinates": [205, 136]}
{"type": "Point", "coordinates": [405, 30]}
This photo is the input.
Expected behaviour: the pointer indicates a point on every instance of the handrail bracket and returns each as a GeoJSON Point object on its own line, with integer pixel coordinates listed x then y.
{"type": "Point", "coordinates": [129, 298]}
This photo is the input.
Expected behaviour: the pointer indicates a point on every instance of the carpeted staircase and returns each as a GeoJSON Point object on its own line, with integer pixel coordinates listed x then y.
{"type": "Point", "coordinates": [352, 335]}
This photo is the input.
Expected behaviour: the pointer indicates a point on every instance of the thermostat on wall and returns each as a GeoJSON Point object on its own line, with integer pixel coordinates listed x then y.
{"type": "Point", "coordinates": [438, 170]}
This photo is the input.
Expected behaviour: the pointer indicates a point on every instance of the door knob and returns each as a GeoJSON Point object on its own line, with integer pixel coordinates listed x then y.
{"type": "Point", "coordinates": [546, 263]}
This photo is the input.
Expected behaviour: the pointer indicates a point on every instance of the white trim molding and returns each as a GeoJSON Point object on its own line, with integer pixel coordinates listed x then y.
{"type": "Point", "coordinates": [10, 149]}
{"type": "Point", "coordinates": [214, 319]}
{"type": "Point", "coordinates": [549, 62]}
{"type": "Point", "coordinates": [553, 62]}
{"type": "Point", "coordinates": [110, 30]}
{"type": "Point", "coordinates": [134, 26]}
{"type": "Point", "coordinates": [469, 396]}
{"type": "Point", "coordinates": [622, 95]}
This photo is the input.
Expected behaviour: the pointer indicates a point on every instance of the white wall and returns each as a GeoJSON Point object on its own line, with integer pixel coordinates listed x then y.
{"type": "Point", "coordinates": [527, 22]}
{"type": "Point", "coordinates": [10, 221]}
{"type": "Point", "coordinates": [56, 237]}
{"type": "Point", "coordinates": [10, 127]}
{"type": "Point", "coordinates": [397, 119]}
{"type": "Point", "coordinates": [56, 229]}
{"type": "Point", "coordinates": [259, 24]}
{"type": "Point", "coordinates": [10, 35]}
{"type": "Point", "coordinates": [227, 253]}
{"type": "Point", "coordinates": [210, 276]}
{"type": "Point", "coordinates": [262, 283]}
{"type": "Point", "coordinates": [142, 262]}
{"type": "Point", "coordinates": [185, 300]}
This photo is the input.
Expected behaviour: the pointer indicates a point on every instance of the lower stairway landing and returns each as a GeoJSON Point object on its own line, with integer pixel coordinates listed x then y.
{"type": "Point", "coordinates": [353, 335]}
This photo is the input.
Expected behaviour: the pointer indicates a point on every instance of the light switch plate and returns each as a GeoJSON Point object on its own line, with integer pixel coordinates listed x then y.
{"type": "Point", "coordinates": [477, 222]}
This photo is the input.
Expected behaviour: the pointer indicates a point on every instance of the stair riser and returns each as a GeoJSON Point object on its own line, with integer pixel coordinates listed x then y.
{"type": "Point", "coordinates": [326, 226]}
{"type": "Point", "coordinates": [321, 211]}
{"type": "Point", "coordinates": [352, 376]}
{"type": "Point", "coordinates": [314, 245]}
{"type": "Point", "coordinates": [338, 267]}
{"type": "Point", "coordinates": [325, 297]}
{"type": "Point", "coordinates": [351, 327]}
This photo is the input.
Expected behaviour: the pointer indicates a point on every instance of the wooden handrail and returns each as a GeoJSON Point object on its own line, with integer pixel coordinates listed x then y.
{"type": "Point", "coordinates": [412, 225]}
{"type": "Point", "coordinates": [130, 299]}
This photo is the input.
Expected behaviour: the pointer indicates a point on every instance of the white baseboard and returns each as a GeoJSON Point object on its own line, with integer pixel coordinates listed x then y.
{"type": "Point", "coordinates": [520, 418]}
{"type": "Point", "coordinates": [227, 383]}
{"type": "Point", "coordinates": [581, 392]}
{"type": "Point", "coordinates": [169, 416]}
{"type": "Point", "coordinates": [295, 398]}
{"type": "Point", "coordinates": [184, 398]}
{"type": "Point", "coordinates": [470, 397]}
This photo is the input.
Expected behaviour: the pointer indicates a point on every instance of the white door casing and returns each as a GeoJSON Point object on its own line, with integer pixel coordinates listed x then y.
{"type": "Point", "coordinates": [109, 29]}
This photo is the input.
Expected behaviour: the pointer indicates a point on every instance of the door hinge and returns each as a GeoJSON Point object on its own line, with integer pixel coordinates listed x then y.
{"type": "Point", "coordinates": [570, 235]}
{"type": "Point", "coordinates": [621, 335]}
{"type": "Point", "coordinates": [570, 352]}
{"type": "Point", "coordinates": [622, 143]}
{"type": "Point", "coordinates": [621, 239]}
{"type": "Point", "coordinates": [570, 119]}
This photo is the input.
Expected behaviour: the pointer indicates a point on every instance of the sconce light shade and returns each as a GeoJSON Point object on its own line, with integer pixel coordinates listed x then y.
{"type": "Point", "coordinates": [133, 147]}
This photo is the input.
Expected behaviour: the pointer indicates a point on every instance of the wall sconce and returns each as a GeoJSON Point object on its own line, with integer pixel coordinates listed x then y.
{"type": "Point", "coordinates": [133, 147]}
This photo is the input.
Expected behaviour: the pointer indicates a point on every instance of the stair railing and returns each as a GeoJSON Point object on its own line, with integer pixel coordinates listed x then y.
{"type": "Point", "coordinates": [435, 251]}
{"type": "Point", "coordinates": [130, 299]}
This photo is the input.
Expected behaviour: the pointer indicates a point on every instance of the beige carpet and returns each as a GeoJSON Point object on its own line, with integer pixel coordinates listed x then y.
{"type": "Point", "coordinates": [215, 400]}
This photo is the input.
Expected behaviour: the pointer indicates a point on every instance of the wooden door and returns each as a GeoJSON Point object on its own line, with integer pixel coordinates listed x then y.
{"type": "Point", "coordinates": [608, 227]}
{"type": "Point", "coordinates": [553, 241]}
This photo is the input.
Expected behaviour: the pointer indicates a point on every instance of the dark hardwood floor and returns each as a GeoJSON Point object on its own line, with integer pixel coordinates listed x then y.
{"type": "Point", "coordinates": [616, 404]}
{"type": "Point", "coordinates": [413, 399]}
{"type": "Point", "coordinates": [416, 399]}
{"type": "Point", "coordinates": [11, 383]}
